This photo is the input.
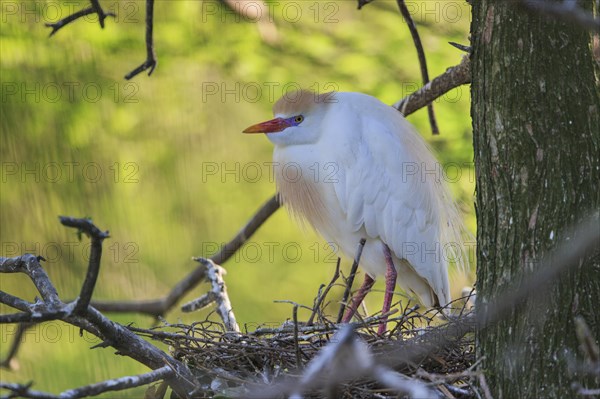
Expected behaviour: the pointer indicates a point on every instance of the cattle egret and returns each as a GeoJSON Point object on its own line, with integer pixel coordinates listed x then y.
{"type": "Point", "coordinates": [353, 167]}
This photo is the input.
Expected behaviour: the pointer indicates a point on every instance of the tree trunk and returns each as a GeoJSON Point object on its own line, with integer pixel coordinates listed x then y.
{"type": "Point", "coordinates": [536, 124]}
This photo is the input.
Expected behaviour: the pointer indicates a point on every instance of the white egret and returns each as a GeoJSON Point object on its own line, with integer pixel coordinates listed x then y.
{"type": "Point", "coordinates": [353, 167]}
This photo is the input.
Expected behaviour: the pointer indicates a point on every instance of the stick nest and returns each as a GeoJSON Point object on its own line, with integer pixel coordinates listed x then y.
{"type": "Point", "coordinates": [249, 364]}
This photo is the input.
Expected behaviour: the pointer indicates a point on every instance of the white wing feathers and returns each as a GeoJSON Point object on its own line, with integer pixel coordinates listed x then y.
{"type": "Point", "coordinates": [397, 196]}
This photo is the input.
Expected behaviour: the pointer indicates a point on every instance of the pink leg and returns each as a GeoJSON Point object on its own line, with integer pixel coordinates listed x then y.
{"type": "Point", "coordinates": [390, 285]}
{"type": "Point", "coordinates": [358, 298]}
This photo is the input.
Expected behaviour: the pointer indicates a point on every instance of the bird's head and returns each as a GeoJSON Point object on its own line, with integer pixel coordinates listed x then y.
{"type": "Point", "coordinates": [298, 118]}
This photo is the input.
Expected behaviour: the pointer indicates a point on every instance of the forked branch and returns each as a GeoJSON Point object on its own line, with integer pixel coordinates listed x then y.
{"type": "Point", "coordinates": [94, 8]}
{"type": "Point", "coordinates": [50, 307]}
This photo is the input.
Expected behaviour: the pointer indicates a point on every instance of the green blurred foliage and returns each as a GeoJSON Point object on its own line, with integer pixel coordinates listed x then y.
{"type": "Point", "coordinates": [160, 161]}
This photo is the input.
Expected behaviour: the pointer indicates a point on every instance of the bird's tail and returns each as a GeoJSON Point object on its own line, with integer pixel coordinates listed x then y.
{"type": "Point", "coordinates": [456, 241]}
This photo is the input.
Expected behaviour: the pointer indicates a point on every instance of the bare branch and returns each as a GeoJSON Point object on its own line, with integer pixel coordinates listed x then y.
{"type": "Point", "coordinates": [247, 231]}
{"type": "Point", "coordinates": [10, 361]}
{"type": "Point", "coordinates": [200, 303]}
{"type": "Point", "coordinates": [461, 47]}
{"type": "Point", "coordinates": [95, 8]}
{"type": "Point", "coordinates": [452, 78]}
{"type": "Point", "coordinates": [567, 10]}
{"type": "Point", "coordinates": [218, 293]}
{"type": "Point", "coordinates": [14, 302]}
{"type": "Point", "coordinates": [422, 60]}
{"type": "Point", "coordinates": [29, 317]}
{"type": "Point", "coordinates": [30, 265]}
{"type": "Point", "coordinates": [321, 296]}
{"type": "Point", "coordinates": [113, 334]}
{"type": "Point", "coordinates": [159, 307]}
{"type": "Point", "coordinates": [362, 3]}
{"type": "Point", "coordinates": [24, 391]}
{"type": "Point", "coordinates": [129, 344]}
{"type": "Point", "coordinates": [151, 61]}
{"type": "Point", "coordinates": [98, 10]}
{"type": "Point", "coordinates": [296, 346]}
{"type": "Point", "coordinates": [68, 19]}
{"type": "Point", "coordinates": [118, 384]}
{"type": "Point", "coordinates": [97, 236]}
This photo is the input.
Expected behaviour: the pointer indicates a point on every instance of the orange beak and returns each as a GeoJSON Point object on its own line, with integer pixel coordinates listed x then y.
{"type": "Point", "coordinates": [272, 126]}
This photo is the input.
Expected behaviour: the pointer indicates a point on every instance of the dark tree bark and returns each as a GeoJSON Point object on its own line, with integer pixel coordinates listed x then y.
{"type": "Point", "coordinates": [536, 127]}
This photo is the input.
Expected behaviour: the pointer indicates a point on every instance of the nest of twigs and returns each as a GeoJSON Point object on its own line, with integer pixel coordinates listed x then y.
{"type": "Point", "coordinates": [427, 348]}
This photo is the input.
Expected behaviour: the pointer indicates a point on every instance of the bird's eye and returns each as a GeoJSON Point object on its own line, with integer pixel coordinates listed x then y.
{"type": "Point", "coordinates": [298, 119]}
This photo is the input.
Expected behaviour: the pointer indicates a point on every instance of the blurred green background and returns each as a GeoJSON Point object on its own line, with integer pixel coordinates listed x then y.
{"type": "Point", "coordinates": [160, 161]}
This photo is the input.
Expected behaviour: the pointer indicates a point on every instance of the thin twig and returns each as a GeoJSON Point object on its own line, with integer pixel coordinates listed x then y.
{"type": "Point", "coordinates": [350, 281]}
{"type": "Point", "coordinates": [321, 297]}
{"type": "Point", "coordinates": [292, 303]}
{"type": "Point", "coordinates": [461, 47]}
{"type": "Point", "coordinates": [362, 3]}
{"type": "Point", "coordinates": [8, 361]}
{"type": "Point", "coordinates": [68, 19]}
{"type": "Point", "coordinates": [98, 10]}
{"type": "Point", "coordinates": [151, 61]}
{"type": "Point", "coordinates": [30, 265]}
{"type": "Point", "coordinates": [296, 346]}
{"type": "Point", "coordinates": [95, 8]}
{"type": "Point", "coordinates": [422, 60]}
